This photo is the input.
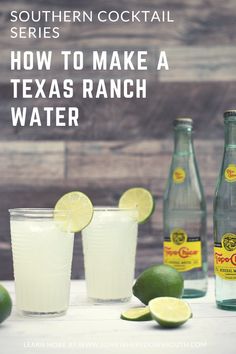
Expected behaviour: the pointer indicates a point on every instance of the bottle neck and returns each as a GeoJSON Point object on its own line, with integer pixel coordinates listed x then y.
{"type": "Point", "coordinates": [183, 141]}
{"type": "Point", "coordinates": [230, 135]}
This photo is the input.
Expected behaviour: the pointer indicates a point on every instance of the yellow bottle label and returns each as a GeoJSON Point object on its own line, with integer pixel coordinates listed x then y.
{"type": "Point", "coordinates": [179, 175]}
{"type": "Point", "coordinates": [225, 257]}
{"type": "Point", "coordinates": [230, 173]}
{"type": "Point", "coordinates": [181, 253]}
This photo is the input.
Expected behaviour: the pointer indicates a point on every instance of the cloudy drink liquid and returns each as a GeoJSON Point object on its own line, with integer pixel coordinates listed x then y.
{"type": "Point", "coordinates": [184, 214]}
{"type": "Point", "coordinates": [109, 246]}
{"type": "Point", "coordinates": [225, 220]}
{"type": "Point", "coordinates": [42, 256]}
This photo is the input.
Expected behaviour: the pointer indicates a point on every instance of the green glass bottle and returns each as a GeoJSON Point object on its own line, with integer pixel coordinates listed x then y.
{"type": "Point", "coordinates": [225, 220]}
{"type": "Point", "coordinates": [184, 214]}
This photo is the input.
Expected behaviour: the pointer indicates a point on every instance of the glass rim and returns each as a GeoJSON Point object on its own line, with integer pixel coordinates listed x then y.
{"type": "Point", "coordinates": [36, 212]}
{"type": "Point", "coordinates": [183, 120]}
{"type": "Point", "coordinates": [230, 113]}
{"type": "Point", "coordinates": [108, 208]}
{"type": "Point", "coordinates": [50, 212]}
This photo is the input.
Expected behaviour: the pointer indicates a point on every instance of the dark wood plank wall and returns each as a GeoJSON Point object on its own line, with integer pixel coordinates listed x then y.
{"type": "Point", "coordinates": [120, 144]}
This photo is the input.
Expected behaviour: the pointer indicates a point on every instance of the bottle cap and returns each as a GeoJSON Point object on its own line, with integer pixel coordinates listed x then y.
{"type": "Point", "coordinates": [187, 121]}
{"type": "Point", "coordinates": [230, 113]}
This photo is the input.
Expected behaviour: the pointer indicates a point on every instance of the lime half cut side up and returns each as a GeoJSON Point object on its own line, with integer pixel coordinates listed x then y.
{"type": "Point", "coordinates": [73, 211]}
{"type": "Point", "coordinates": [136, 314]}
{"type": "Point", "coordinates": [170, 312]}
{"type": "Point", "coordinates": [141, 199]}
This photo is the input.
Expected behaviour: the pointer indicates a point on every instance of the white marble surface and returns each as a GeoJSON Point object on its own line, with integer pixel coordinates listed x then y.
{"type": "Point", "coordinates": [88, 328]}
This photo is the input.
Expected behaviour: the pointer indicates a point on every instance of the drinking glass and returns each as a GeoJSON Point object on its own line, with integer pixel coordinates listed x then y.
{"type": "Point", "coordinates": [42, 257]}
{"type": "Point", "coordinates": [109, 247]}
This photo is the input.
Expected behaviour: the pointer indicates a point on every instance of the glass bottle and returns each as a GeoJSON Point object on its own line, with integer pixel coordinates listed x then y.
{"type": "Point", "coordinates": [224, 217]}
{"type": "Point", "coordinates": [184, 214]}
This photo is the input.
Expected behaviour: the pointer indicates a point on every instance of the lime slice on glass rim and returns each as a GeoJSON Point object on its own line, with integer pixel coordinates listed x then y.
{"type": "Point", "coordinates": [136, 314]}
{"type": "Point", "coordinates": [73, 211]}
{"type": "Point", "coordinates": [169, 312]}
{"type": "Point", "coordinates": [141, 199]}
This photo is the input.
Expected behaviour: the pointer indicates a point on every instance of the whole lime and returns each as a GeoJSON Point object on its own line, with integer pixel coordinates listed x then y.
{"type": "Point", "coordinates": [158, 280]}
{"type": "Point", "coordinates": [5, 304]}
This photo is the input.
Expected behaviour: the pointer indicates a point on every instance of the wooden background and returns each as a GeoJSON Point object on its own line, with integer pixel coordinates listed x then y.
{"type": "Point", "coordinates": [120, 143]}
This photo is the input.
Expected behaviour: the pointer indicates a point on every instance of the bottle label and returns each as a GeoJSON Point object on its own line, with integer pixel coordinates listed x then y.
{"type": "Point", "coordinates": [230, 173]}
{"type": "Point", "coordinates": [225, 257]}
{"type": "Point", "coordinates": [181, 252]}
{"type": "Point", "coordinates": [179, 175]}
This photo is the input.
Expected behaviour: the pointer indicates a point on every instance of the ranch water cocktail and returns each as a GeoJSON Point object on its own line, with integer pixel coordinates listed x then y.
{"type": "Point", "coordinates": [109, 246]}
{"type": "Point", "coordinates": [42, 256]}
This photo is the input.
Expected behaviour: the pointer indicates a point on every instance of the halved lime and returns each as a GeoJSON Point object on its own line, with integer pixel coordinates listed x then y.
{"type": "Point", "coordinates": [73, 211]}
{"type": "Point", "coordinates": [136, 314]}
{"type": "Point", "coordinates": [170, 312]}
{"type": "Point", "coordinates": [141, 199]}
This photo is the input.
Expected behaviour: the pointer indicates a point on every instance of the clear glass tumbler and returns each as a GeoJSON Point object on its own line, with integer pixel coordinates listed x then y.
{"type": "Point", "coordinates": [109, 246]}
{"type": "Point", "coordinates": [42, 257]}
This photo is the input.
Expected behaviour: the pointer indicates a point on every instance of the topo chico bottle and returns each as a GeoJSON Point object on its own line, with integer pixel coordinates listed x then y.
{"type": "Point", "coordinates": [184, 214]}
{"type": "Point", "coordinates": [225, 220]}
